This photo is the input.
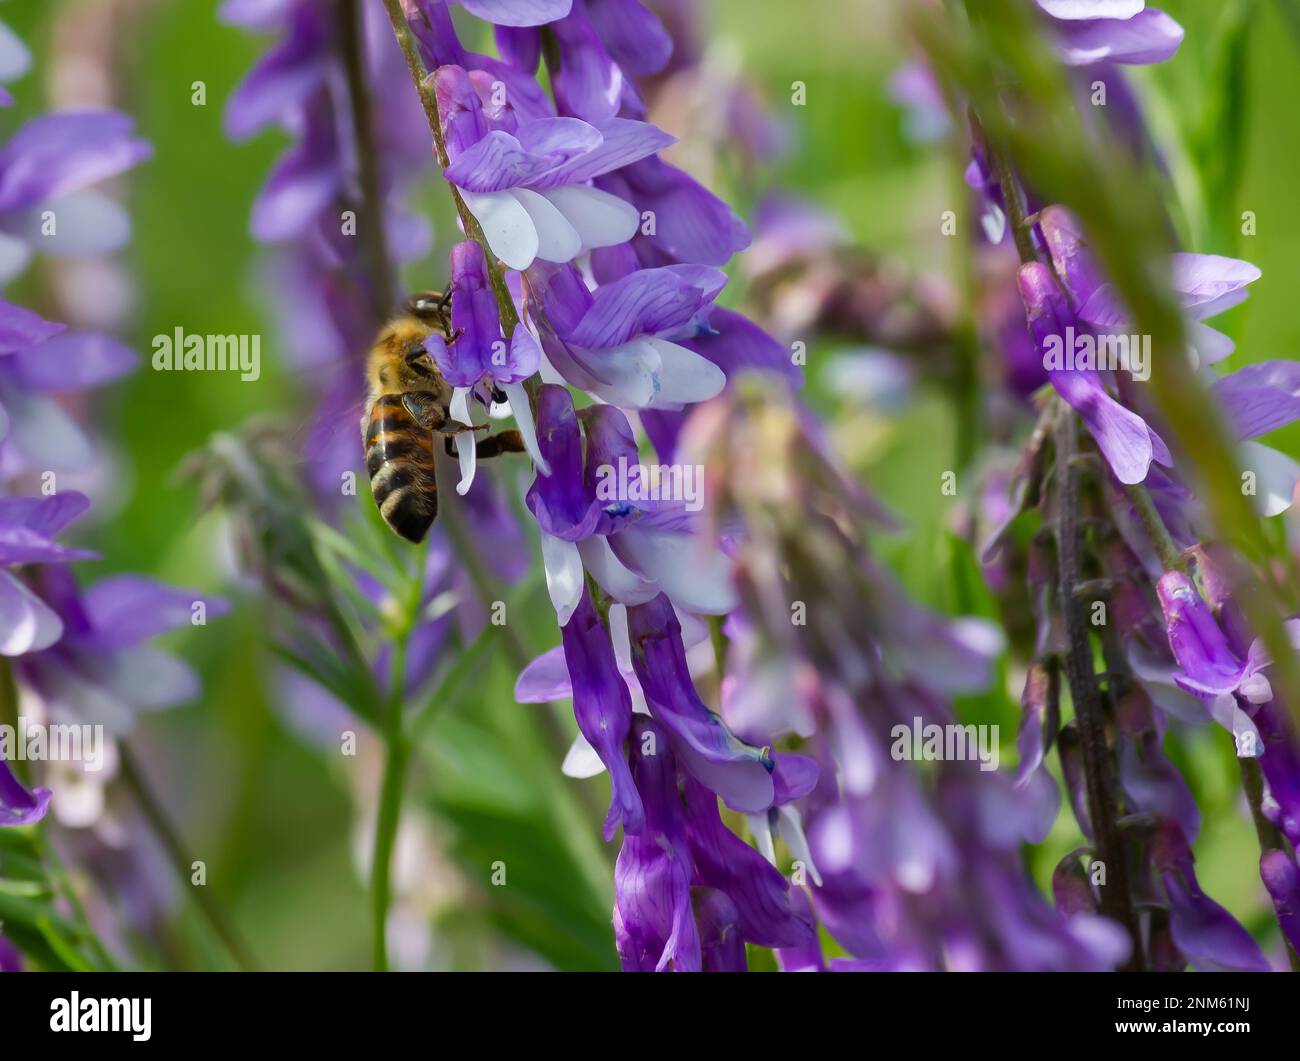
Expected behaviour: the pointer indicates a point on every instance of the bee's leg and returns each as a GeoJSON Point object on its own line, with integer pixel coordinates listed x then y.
{"type": "Point", "coordinates": [501, 442]}
{"type": "Point", "coordinates": [425, 409]}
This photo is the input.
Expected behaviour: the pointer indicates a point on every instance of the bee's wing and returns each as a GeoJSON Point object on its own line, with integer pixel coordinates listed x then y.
{"type": "Point", "coordinates": [332, 399]}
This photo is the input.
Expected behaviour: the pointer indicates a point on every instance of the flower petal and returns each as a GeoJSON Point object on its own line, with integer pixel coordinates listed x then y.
{"type": "Point", "coordinates": [27, 623]}
{"type": "Point", "coordinates": [557, 240]}
{"type": "Point", "coordinates": [509, 230]}
{"type": "Point", "coordinates": [599, 218]}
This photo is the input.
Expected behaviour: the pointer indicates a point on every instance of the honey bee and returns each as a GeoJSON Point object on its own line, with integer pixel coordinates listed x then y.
{"type": "Point", "coordinates": [408, 403]}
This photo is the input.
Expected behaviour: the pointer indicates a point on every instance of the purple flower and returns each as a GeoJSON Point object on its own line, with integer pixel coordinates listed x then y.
{"type": "Point", "coordinates": [518, 12]}
{"type": "Point", "coordinates": [528, 184]}
{"type": "Point", "coordinates": [1210, 938]}
{"type": "Point", "coordinates": [480, 356]}
{"type": "Point", "coordinates": [624, 341]}
{"type": "Point", "coordinates": [15, 61]}
{"type": "Point", "coordinates": [654, 926]}
{"type": "Point", "coordinates": [1116, 31]}
{"type": "Point", "coordinates": [691, 224]}
{"type": "Point", "coordinates": [603, 708]}
{"type": "Point", "coordinates": [1206, 284]}
{"type": "Point", "coordinates": [1282, 879]}
{"type": "Point", "coordinates": [740, 774]}
{"type": "Point", "coordinates": [102, 669]}
{"type": "Point", "coordinates": [38, 357]}
{"type": "Point", "coordinates": [47, 168]}
{"type": "Point", "coordinates": [19, 806]}
{"type": "Point", "coordinates": [1209, 667]}
{"type": "Point", "coordinates": [634, 549]}
{"type": "Point", "coordinates": [28, 527]}
{"type": "Point", "coordinates": [1123, 437]}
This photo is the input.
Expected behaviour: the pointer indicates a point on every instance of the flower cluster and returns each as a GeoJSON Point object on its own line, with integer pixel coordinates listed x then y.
{"type": "Point", "coordinates": [76, 655]}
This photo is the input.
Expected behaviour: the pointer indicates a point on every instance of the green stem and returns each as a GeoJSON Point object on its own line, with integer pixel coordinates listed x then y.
{"type": "Point", "coordinates": [396, 759]}
{"type": "Point", "coordinates": [429, 101]}
{"type": "Point", "coordinates": [373, 234]}
{"type": "Point", "coordinates": [1015, 205]}
{"type": "Point", "coordinates": [1270, 838]}
{"type": "Point", "coordinates": [1099, 771]}
{"type": "Point", "coordinates": [169, 835]}
{"type": "Point", "coordinates": [9, 716]}
{"type": "Point", "coordinates": [1166, 549]}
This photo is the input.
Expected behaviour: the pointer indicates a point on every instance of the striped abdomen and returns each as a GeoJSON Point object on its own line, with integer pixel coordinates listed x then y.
{"type": "Point", "coordinates": [399, 460]}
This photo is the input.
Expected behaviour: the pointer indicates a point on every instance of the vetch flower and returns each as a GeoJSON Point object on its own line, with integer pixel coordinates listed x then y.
{"type": "Point", "coordinates": [480, 358]}
{"type": "Point", "coordinates": [40, 357]}
{"type": "Point", "coordinates": [1124, 438]}
{"type": "Point", "coordinates": [1116, 31]}
{"type": "Point", "coordinates": [28, 526]}
{"type": "Point", "coordinates": [634, 549]}
{"type": "Point", "coordinates": [102, 669]}
{"type": "Point", "coordinates": [18, 806]}
{"type": "Point", "coordinates": [15, 61]}
{"type": "Point", "coordinates": [1209, 667]}
{"type": "Point", "coordinates": [623, 342]}
{"type": "Point", "coordinates": [47, 202]}
{"type": "Point", "coordinates": [528, 185]}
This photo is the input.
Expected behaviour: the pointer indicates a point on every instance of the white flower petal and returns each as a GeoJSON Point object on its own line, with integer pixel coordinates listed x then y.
{"type": "Point", "coordinates": [46, 436]}
{"type": "Point", "coordinates": [1275, 477]}
{"type": "Point", "coordinates": [563, 567]}
{"type": "Point", "coordinates": [762, 834]}
{"type": "Point", "coordinates": [581, 760]}
{"type": "Point", "coordinates": [557, 240]}
{"type": "Point", "coordinates": [466, 447]}
{"type": "Point", "coordinates": [15, 59]}
{"type": "Point", "coordinates": [612, 576]}
{"type": "Point", "coordinates": [523, 414]}
{"type": "Point", "coordinates": [994, 222]}
{"type": "Point", "coordinates": [685, 376]}
{"type": "Point", "coordinates": [27, 623]}
{"type": "Point", "coordinates": [84, 223]}
{"type": "Point", "coordinates": [509, 229]}
{"type": "Point", "coordinates": [695, 575]}
{"type": "Point", "coordinates": [145, 677]}
{"type": "Point", "coordinates": [791, 825]}
{"type": "Point", "coordinates": [14, 256]}
{"type": "Point", "coordinates": [601, 219]}
{"type": "Point", "coordinates": [630, 375]}
{"type": "Point", "coordinates": [1209, 345]}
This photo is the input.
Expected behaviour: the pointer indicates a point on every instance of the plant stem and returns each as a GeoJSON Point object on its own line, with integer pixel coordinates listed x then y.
{"type": "Point", "coordinates": [397, 755]}
{"type": "Point", "coordinates": [429, 101]}
{"type": "Point", "coordinates": [1116, 901]}
{"type": "Point", "coordinates": [209, 905]}
{"type": "Point", "coordinates": [1270, 838]}
{"type": "Point", "coordinates": [1165, 547]}
{"type": "Point", "coordinates": [373, 234]}
{"type": "Point", "coordinates": [1015, 206]}
{"type": "Point", "coordinates": [9, 716]}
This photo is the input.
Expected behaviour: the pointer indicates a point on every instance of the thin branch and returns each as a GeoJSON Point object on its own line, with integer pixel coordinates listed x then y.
{"type": "Point", "coordinates": [373, 233]}
{"type": "Point", "coordinates": [429, 101]}
{"type": "Point", "coordinates": [209, 905]}
{"type": "Point", "coordinates": [1116, 901]}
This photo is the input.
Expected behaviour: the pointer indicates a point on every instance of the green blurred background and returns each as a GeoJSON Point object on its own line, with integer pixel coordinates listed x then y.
{"type": "Point", "coordinates": [278, 822]}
